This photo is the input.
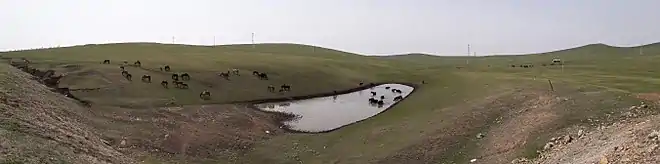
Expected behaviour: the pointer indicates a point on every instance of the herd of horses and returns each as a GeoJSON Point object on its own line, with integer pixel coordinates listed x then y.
{"type": "Point", "coordinates": [380, 102]}
{"type": "Point", "coordinates": [178, 79]}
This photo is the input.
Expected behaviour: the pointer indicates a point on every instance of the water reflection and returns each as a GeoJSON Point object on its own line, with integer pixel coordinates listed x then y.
{"type": "Point", "coordinates": [328, 113]}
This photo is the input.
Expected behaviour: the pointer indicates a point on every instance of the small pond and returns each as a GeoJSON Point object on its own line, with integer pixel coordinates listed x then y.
{"type": "Point", "coordinates": [329, 113]}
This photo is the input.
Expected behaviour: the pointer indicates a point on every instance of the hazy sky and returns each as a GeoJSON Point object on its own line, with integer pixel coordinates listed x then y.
{"type": "Point", "coordinates": [443, 27]}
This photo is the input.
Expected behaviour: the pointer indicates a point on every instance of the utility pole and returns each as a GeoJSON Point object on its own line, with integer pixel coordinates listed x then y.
{"type": "Point", "coordinates": [172, 39]}
{"type": "Point", "coordinates": [467, 60]}
{"type": "Point", "coordinates": [213, 40]}
{"type": "Point", "coordinates": [253, 45]}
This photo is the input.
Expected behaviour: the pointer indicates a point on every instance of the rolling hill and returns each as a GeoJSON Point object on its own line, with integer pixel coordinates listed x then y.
{"type": "Point", "coordinates": [512, 110]}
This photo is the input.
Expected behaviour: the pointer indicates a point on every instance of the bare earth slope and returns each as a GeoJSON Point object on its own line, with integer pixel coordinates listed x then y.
{"type": "Point", "coordinates": [40, 126]}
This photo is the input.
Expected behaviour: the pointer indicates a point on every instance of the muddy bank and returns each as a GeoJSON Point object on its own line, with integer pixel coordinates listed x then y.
{"type": "Point", "coordinates": [49, 79]}
{"type": "Point", "coordinates": [290, 117]}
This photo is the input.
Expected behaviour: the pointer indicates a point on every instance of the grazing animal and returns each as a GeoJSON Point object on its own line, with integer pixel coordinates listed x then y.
{"type": "Point", "coordinates": [255, 73]}
{"type": "Point", "coordinates": [124, 73]}
{"type": "Point", "coordinates": [205, 95]}
{"type": "Point", "coordinates": [106, 61]}
{"type": "Point", "coordinates": [398, 98]}
{"type": "Point", "coordinates": [121, 67]}
{"type": "Point", "coordinates": [224, 75]}
{"type": "Point", "coordinates": [393, 90]}
{"type": "Point", "coordinates": [382, 97]}
{"type": "Point", "coordinates": [161, 68]}
{"type": "Point", "coordinates": [398, 91]}
{"type": "Point", "coordinates": [263, 76]}
{"type": "Point", "coordinates": [380, 103]}
{"type": "Point", "coordinates": [137, 63]}
{"type": "Point", "coordinates": [129, 76]}
{"type": "Point", "coordinates": [285, 87]}
{"type": "Point", "coordinates": [164, 83]}
{"type": "Point", "coordinates": [373, 100]}
{"type": "Point", "coordinates": [387, 87]}
{"type": "Point", "coordinates": [512, 65]}
{"type": "Point", "coordinates": [556, 60]}
{"type": "Point", "coordinates": [271, 88]}
{"type": "Point", "coordinates": [361, 83]}
{"type": "Point", "coordinates": [146, 78]}
{"type": "Point", "coordinates": [235, 71]}
{"type": "Point", "coordinates": [183, 85]}
{"type": "Point", "coordinates": [185, 76]}
{"type": "Point", "coordinates": [175, 76]}
{"type": "Point", "coordinates": [423, 82]}
{"type": "Point", "coordinates": [373, 93]}
{"type": "Point", "coordinates": [125, 62]}
{"type": "Point", "coordinates": [167, 68]}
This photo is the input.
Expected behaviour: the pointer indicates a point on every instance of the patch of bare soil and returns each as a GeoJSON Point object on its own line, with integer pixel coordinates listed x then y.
{"type": "Point", "coordinates": [652, 97]}
{"type": "Point", "coordinates": [503, 141]}
{"type": "Point", "coordinates": [631, 140]}
{"type": "Point", "coordinates": [442, 145]}
{"type": "Point", "coordinates": [198, 131]}
{"type": "Point", "coordinates": [40, 126]}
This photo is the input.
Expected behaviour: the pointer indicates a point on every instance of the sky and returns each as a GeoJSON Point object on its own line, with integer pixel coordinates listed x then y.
{"type": "Point", "coordinates": [370, 27]}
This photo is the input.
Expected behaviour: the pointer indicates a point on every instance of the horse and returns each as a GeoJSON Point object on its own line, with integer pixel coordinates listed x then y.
{"type": "Point", "coordinates": [373, 93]}
{"type": "Point", "coordinates": [121, 67]}
{"type": "Point", "coordinates": [263, 76]}
{"type": "Point", "coordinates": [205, 95]}
{"type": "Point", "coordinates": [398, 98]}
{"type": "Point", "coordinates": [146, 78]}
{"type": "Point", "coordinates": [124, 73]}
{"type": "Point", "coordinates": [175, 76]}
{"type": "Point", "coordinates": [128, 76]}
{"type": "Point", "coordinates": [271, 88]}
{"type": "Point", "coordinates": [167, 68]}
{"type": "Point", "coordinates": [235, 71]}
{"type": "Point", "coordinates": [161, 68]}
{"type": "Point", "coordinates": [137, 63]}
{"type": "Point", "coordinates": [125, 62]}
{"type": "Point", "coordinates": [106, 61]}
{"type": "Point", "coordinates": [361, 84]}
{"type": "Point", "coordinates": [372, 101]}
{"type": "Point", "coordinates": [185, 76]}
{"type": "Point", "coordinates": [382, 97]}
{"type": "Point", "coordinates": [184, 85]}
{"type": "Point", "coordinates": [255, 73]}
{"type": "Point", "coordinates": [387, 87]}
{"type": "Point", "coordinates": [224, 75]}
{"type": "Point", "coordinates": [285, 87]}
{"type": "Point", "coordinates": [164, 83]}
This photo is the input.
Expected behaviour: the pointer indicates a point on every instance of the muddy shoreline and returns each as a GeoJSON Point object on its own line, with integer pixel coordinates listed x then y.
{"type": "Point", "coordinates": [282, 117]}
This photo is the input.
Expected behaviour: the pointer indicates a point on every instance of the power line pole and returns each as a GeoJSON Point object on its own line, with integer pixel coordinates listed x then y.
{"type": "Point", "coordinates": [213, 40]}
{"type": "Point", "coordinates": [467, 60]}
{"type": "Point", "coordinates": [253, 45]}
{"type": "Point", "coordinates": [172, 39]}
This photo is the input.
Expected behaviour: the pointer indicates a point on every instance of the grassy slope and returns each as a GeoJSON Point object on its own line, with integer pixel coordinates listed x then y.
{"type": "Point", "coordinates": [312, 70]}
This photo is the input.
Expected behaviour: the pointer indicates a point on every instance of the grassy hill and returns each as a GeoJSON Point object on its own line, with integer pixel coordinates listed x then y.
{"type": "Point", "coordinates": [512, 106]}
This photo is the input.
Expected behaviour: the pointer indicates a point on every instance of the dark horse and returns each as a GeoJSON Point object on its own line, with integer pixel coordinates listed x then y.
{"type": "Point", "coordinates": [164, 83]}
{"type": "Point", "coordinates": [175, 76]}
{"type": "Point", "coordinates": [167, 68]}
{"type": "Point", "coordinates": [255, 73]}
{"type": "Point", "coordinates": [285, 87]}
{"type": "Point", "coordinates": [185, 76]}
{"type": "Point", "coordinates": [205, 95]}
{"type": "Point", "coordinates": [146, 78]}
{"type": "Point", "coordinates": [128, 76]}
{"type": "Point", "coordinates": [263, 76]}
{"type": "Point", "coordinates": [137, 63]}
{"type": "Point", "coordinates": [271, 88]}
{"type": "Point", "coordinates": [106, 62]}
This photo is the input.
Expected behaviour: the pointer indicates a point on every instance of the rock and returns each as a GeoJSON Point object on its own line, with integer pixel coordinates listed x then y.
{"type": "Point", "coordinates": [603, 161]}
{"type": "Point", "coordinates": [548, 146]}
{"type": "Point", "coordinates": [580, 133]}
{"type": "Point", "coordinates": [267, 132]}
{"type": "Point", "coordinates": [473, 160]}
{"type": "Point", "coordinates": [480, 136]}
{"type": "Point", "coordinates": [654, 135]}
{"type": "Point", "coordinates": [567, 139]}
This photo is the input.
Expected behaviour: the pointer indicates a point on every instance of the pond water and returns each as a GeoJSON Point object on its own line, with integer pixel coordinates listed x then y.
{"type": "Point", "coordinates": [329, 113]}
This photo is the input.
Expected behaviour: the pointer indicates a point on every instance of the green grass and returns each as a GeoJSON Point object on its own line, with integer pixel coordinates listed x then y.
{"type": "Point", "coordinates": [430, 110]}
